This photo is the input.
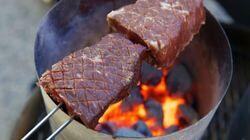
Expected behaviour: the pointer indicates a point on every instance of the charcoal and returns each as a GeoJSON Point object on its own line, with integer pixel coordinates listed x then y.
{"type": "Point", "coordinates": [127, 132]}
{"type": "Point", "coordinates": [133, 99]}
{"type": "Point", "coordinates": [150, 75]}
{"type": "Point", "coordinates": [105, 131]}
{"type": "Point", "coordinates": [188, 114]}
{"type": "Point", "coordinates": [154, 110]}
{"type": "Point", "coordinates": [108, 128]}
{"type": "Point", "coordinates": [190, 99]}
{"type": "Point", "coordinates": [136, 95]}
{"type": "Point", "coordinates": [141, 127]}
{"type": "Point", "coordinates": [171, 129]}
{"type": "Point", "coordinates": [179, 80]}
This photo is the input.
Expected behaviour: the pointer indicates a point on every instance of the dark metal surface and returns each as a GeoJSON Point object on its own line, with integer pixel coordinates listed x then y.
{"type": "Point", "coordinates": [74, 24]}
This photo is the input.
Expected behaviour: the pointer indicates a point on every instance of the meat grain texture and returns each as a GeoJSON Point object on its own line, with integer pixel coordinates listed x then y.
{"type": "Point", "coordinates": [166, 27]}
{"type": "Point", "coordinates": [89, 80]}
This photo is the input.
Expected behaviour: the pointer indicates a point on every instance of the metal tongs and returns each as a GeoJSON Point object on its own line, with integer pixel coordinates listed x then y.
{"type": "Point", "coordinates": [67, 27]}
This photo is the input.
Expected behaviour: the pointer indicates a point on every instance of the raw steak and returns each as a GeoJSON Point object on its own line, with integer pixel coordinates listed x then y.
{"type": "Point", "coordinates": [91, 79]}
{"type": "Point", "coordinates": [164, 26]}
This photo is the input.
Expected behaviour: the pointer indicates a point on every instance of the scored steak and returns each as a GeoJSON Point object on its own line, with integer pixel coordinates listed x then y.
{"type": "Point", "coordinates": [91, 79]}
{"type": "Point", "coordinates": [164, 26]}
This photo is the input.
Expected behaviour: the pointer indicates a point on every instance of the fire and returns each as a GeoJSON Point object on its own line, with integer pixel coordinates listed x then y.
{"type": "Point", "coordinates": [157, 92]}
{"type": "Point", "coordinates": [123, 119]}
{"type": "Point", "coordinates": [170, 110]}
{"type": "Point", "coordinates": [138, 112]}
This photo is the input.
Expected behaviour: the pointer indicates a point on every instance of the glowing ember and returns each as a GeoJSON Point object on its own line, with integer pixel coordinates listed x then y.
{"type": "Point", "coordinates": [170, 110]}
{"type": "Point", "coordinates": [138, 112]}
{"type": "Point", "coordinates": [121, 118]}
{"type": "Point", "coordinates": [158, 92]}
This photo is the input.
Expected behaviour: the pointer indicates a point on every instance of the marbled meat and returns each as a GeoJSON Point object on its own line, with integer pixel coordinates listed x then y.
{"type": "Point", "coordinates": [166, 27]}
{"type": "Point", "coordinates": [91, 79]}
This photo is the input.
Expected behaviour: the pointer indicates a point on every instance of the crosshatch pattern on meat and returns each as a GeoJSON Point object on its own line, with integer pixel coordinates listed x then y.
{"type": "Point", "coordinates": [165, 26]}
{"type": "Point", "coordinates": [89, 80]}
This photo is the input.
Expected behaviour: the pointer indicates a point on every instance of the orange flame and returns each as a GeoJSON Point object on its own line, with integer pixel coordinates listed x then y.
{"type": "Point", "coordinates": [170, 110]}
{"type": "Point", "coordinates": [123, 119]}
{"type": "Point", "coordinates": [138, 112]}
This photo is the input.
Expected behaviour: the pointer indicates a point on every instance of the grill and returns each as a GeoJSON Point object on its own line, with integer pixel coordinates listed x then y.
{"type": "Point", "coordinates": [218, 129]}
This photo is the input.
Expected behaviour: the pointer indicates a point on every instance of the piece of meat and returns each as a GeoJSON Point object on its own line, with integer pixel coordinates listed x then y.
{"type": "Point", "coordinates": [91, 79]}
{"type": "Point", "coordinates": [166, 27]}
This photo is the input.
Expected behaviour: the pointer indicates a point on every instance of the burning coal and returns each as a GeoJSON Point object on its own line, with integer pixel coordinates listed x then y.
{"type": "Point", "coordinates": [154, 105]}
